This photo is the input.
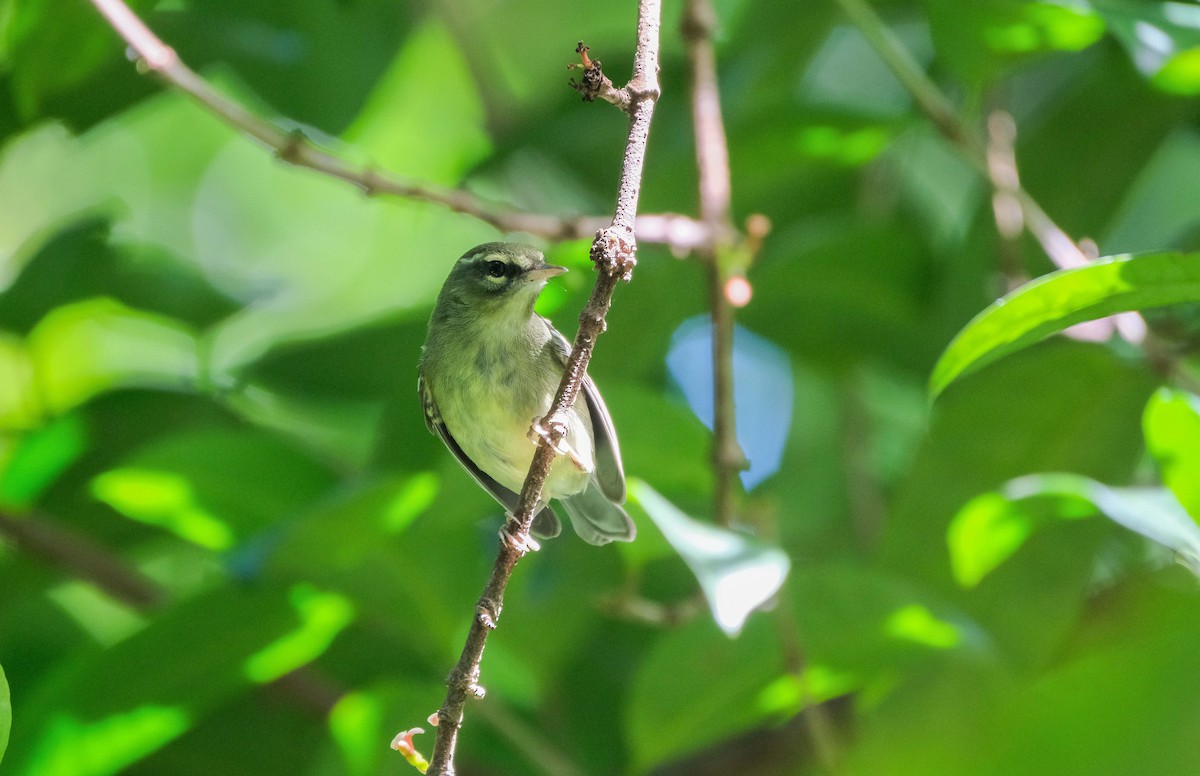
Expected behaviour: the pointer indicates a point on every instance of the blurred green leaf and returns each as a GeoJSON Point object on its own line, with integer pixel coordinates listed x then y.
{"type": "Point", "coordinates": [865, 625]}
{"type": "Point", "coordinates": [5, 713]}
{"type": "Point", "coordinates": [89, 718]}
{"type": "Point", "coordinates": [323, 616]}
{"type": "Point", "coordinates": [670, 713]}
{"type": "Point", "coordinates": [20, 407]}
{"type": "Point", "coordinates": [214, 487]}
{"type": "Point", "coordinates": [81, 349]}
{"type": "Point", "coordinates": [348, 545]}
{"type": "Point", "coordinates": [79, 263]}
{"type": "Point", "coordinates": [51, 48]}
{"type": "Point", "coordinates": [1172, 428]}
{"type": "Point", "coordinates": [365, 717]}
{"type": "Point", "coordinates": [314, 63]}
{"type": "Point", "coordinates": [39, 457]}
{"type": "Point", "coordinates": [1155, 210]}
{"type": "Point", "coordinates": [993, 526]}
{"type": "Point", "coordinates": [1163, 40]}
{"type": "Point", "coordinates": [1056, 301]}
{"type": "Point", "coordinates": [425, 116]}
{"type": "Point", "coordinates": [737, 572]}
{"type": "Point", "coordinates": [982, 38]}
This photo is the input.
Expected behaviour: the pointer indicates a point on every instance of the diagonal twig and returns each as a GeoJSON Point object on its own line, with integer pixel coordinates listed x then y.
{"type": "Point", "coordinates": [614, 253]}
{"type": "Point", "coordinates": [678, 231]}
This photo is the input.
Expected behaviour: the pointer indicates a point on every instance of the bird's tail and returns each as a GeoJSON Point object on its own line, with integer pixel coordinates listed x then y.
{"type": "Point", "coordinates": [596, 519]}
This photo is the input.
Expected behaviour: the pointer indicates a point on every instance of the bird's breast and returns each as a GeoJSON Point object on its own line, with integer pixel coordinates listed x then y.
{"type": "Point", "coordinates": [489, 392]}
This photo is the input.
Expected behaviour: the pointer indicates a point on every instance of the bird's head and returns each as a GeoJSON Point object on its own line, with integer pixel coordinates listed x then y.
{"type": "Point", "coordinates": [500, 276]}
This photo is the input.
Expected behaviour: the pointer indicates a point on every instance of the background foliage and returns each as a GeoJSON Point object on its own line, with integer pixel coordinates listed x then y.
{"type": "Point", "coordinates": [208, 407]}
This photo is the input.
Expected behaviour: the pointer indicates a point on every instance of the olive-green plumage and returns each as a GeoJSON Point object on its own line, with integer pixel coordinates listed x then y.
{"type": "Point", "coordinates": [490, 368]}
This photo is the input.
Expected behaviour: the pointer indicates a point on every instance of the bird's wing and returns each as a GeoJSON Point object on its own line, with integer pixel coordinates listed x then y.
{"type": "Point", "coordinates": [610, 473]}
{"type": "Point", "coordinates": [545, 524]}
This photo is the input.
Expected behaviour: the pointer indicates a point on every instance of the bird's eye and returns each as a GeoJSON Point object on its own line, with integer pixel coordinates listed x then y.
{"type": "Point", "coordinates": [495, 269]}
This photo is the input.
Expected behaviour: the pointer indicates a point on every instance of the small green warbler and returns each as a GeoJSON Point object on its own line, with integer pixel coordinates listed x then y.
{"type": "Point", "coordinates": [489, 370]}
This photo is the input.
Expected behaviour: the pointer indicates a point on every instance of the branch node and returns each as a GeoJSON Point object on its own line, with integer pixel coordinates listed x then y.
{"type": "Point", "coordinates": [293, 149]}
{"type": "Point", "coordinates": [488, 612]}
{"type": "Point", "coordinates": [594, 83]}
{"type": "Point", "coordinates": [615, 254]}
{"type": "Point", "coordinates": [468, 684]}
{"type": "Point", "coordinates": [372, 184]}
{"type": "Point", "coordinates": [515, 537]}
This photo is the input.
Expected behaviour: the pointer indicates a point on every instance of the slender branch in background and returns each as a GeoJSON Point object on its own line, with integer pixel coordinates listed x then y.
{"type": "Point", "coordinates": [83, 558]}
{"type": "Point", "coordinates": [678, 231]}
{"type": "Point", "coordinates": [1015, 207]}
{"type": "Point", "coordinates": [614, 252]}
{"type": "Point", "coordinates": [940, 110]}
{"type": "Point", "coordinates": [712, 162]}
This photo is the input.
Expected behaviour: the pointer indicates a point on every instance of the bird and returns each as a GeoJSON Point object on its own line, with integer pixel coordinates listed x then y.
{"type": "Point", "coordinates": [488, 372]}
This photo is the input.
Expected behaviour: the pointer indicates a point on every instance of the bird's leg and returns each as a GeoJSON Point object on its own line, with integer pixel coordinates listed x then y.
{"type": "Point", "coordinates": [513, 538]}
{"type": "Point", "coordinates": [555, 434]}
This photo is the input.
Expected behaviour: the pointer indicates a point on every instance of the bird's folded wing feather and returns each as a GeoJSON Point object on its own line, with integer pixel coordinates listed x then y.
{"type": "Point", "coordinates": [433, 421]}
{"type": "Point", "coordinates": [610, 473]}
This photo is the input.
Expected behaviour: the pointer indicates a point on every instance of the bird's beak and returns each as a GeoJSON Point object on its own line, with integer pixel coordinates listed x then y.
{"type": "Point", "coordinates": [543, 273]}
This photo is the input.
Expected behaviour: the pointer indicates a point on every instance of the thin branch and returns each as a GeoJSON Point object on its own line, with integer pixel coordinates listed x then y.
{"type": "Point", "coordinates": [614, 252]}
{"type": "Point", "coordinates": [912, 76]}
{"type": "Point", "coordinates": [712, 162]}
{"type": "Point", "coordinates": [83, 558]}
{"type": "Point", "coordinates": [1061, 249]}
{"type": "Point", "coordinates": [678, 231]}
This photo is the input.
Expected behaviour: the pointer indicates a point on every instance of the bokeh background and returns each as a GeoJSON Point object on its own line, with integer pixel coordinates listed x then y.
{"type": "Point", "coordinates": [228, 544]}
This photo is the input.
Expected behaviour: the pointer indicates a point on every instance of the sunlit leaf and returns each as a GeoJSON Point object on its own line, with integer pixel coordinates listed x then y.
{"type": "Point", "coordinates": [354, 723]}
{"type": "Point", "coordinates": [18, 400]}
{"type": "Point", "coordinates": [1061, 299]}
{"type": "Point", "coordinates": [105, 709]}
{"type": "Point", "coordinates": [917, 624]}
{"type": "Point", "coordinates": [164, 499]}
{"type": "Point", "coordinates": [76, 747]}
{"type": "Point", "coordinates": [323, 616]}
{"type": "Point", "coordinates": [84, 348]}
{"type": "Point", "coordinates": [991, 527]}
{"type": "Point", "coordinates": [104, 619]}
{"type": "Point", "coordinates": [1172, 427]}
{"type": "Point", "coordinates": [425, 116]}
{"type": "Point", "coordinates": [214, 487]}
{"type": "Point", "coordinates": [737, 572]}
{"type": "Point", "coordinates": [5, 713]}
{"type": "Point", "coordinates": [39, 458]}
{"type": "Point", "coordinates": [1163, 39]}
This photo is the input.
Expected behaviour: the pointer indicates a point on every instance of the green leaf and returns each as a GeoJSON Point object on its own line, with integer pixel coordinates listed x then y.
{"type": "Point", "coordinates": [991, 527]}
{"type": "Point", "coordinates": [104, 710]}
{"type": "Point", "coordinates": [1171, 424]}
{"type": "Point", "coordinates": [84, 348]}
{"type": "Point", "coordinates": [1163, 40]}
{"type": "Point", "coordinates": [51, 48]}
{"type": "Point", "coordinates": [425, 116]}
{"type": "Point", "coordinates": [39, 458]}
{"type": "Point", "coordinates": [19, 406]}
{"type": "Point", "coordinates": [1061, 299]}
{"type": "Point", "coordinates": [673, 710]}
{"type": "Point", "coordinates": [738, 573]}
{"type": "Point", "coordinates": [213, 487]}
{"type": "Point", "coordinates": [5, 713]}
